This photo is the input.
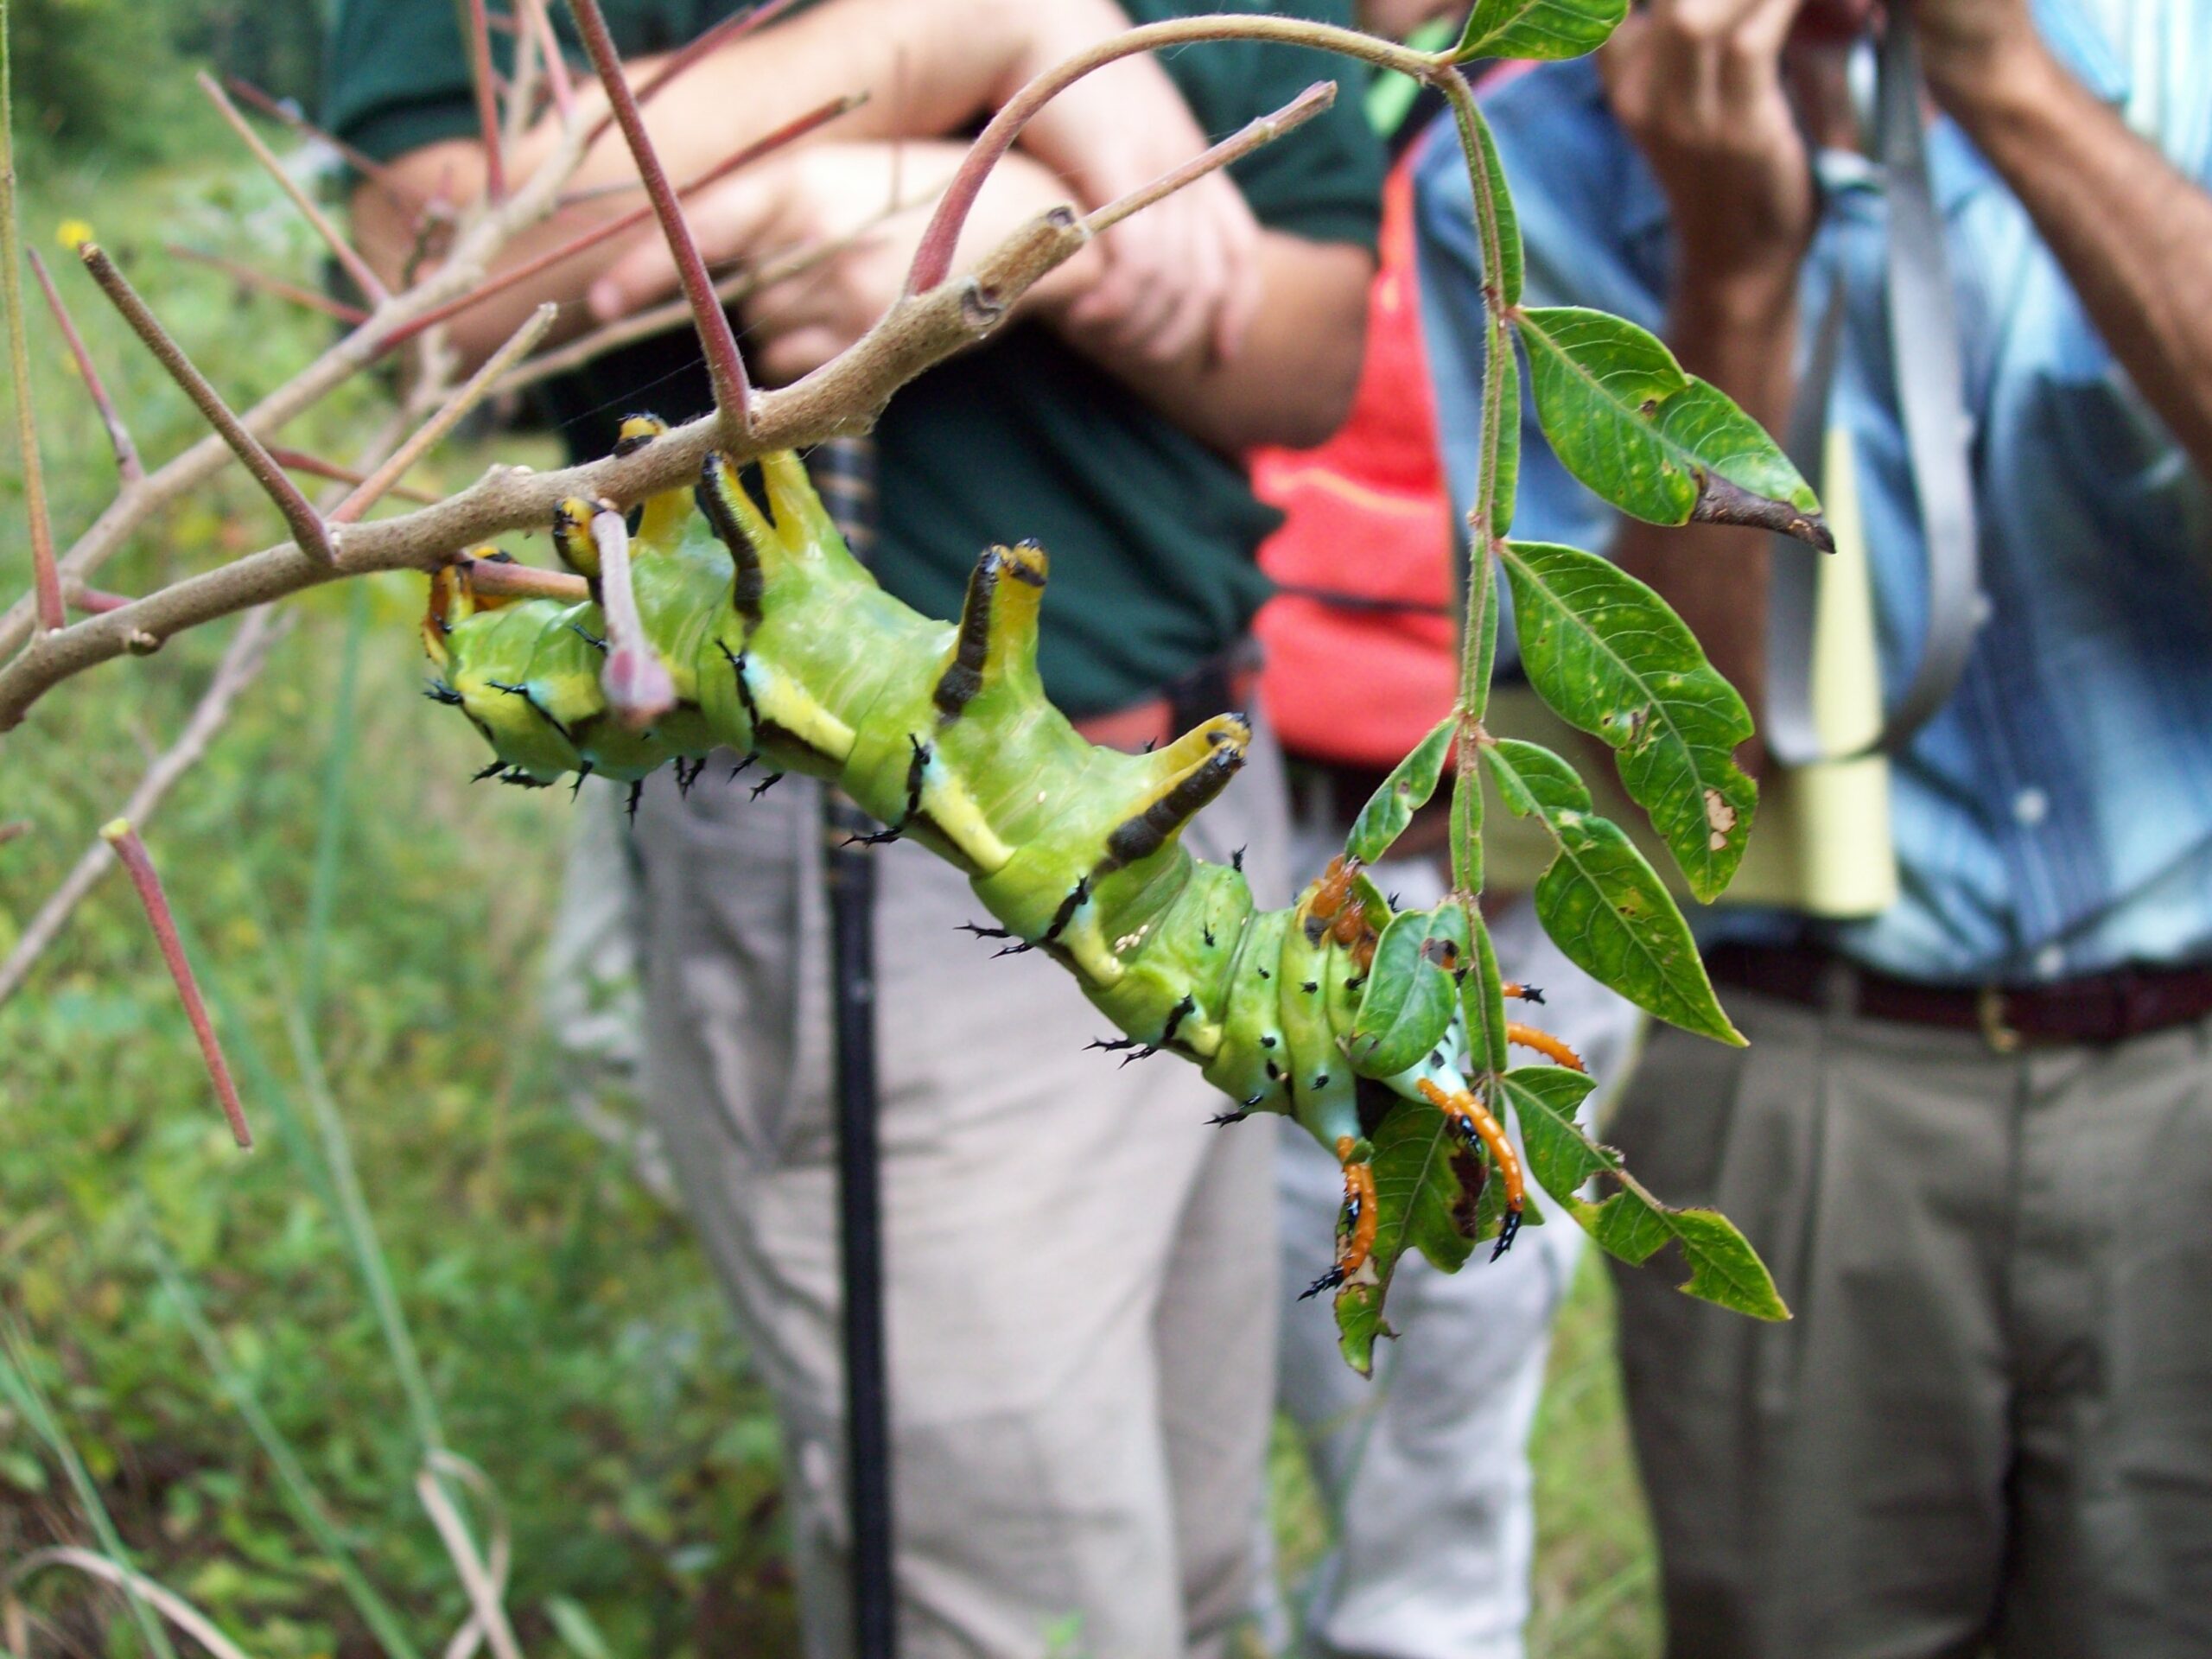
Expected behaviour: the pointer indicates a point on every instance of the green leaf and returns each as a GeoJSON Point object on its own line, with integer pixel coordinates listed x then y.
{"type": "Point", "coordinates": [1630, 1223]}
{"type": "Point", "coordinates": [1407, 1006]}
{"type": "Point", "coordinates": [1612, 660]}
{"type": "Point", "coordinates": [1421, 1203]}
{"type": "Point", "coordinates": [1538, 29]}
{"type": "Point", "coordinates": [1601, 903]}
{"type": "Point", "coordinates": [1482, 1000]}
{"type": "Point", "coordinates": [1655, 442]}
{"type": "Point", "coordinates": [1403, 793]}
{"type": "Point", "coordinates": [1488, 176]}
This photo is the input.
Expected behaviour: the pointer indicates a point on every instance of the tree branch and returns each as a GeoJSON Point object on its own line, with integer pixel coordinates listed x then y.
{"type": "Point", "coordinates": [356, 267]}
{"type": "Point", "coordinates": [126, 453]}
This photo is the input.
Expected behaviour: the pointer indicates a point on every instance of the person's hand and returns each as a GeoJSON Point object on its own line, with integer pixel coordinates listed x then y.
{"type": "Point", "coordinates": [866, 205]}
{"type": "Point", "coordinates": [1698, 85]}
{"type": "Point", "coordinates": [1184, 271]}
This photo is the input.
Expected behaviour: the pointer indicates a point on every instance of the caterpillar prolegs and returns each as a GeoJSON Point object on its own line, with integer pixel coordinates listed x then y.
{"type": "Point", "coordinates": [753, 628]}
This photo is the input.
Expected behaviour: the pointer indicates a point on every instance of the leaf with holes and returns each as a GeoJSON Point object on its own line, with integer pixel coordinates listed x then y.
{"type": "Point", "coordinates": [1630, 1223]}
{"type": "Point", "coordinates": [1655, 442]}
{"type": "Point", "coordinates": [1422, 1201]}
{"type": "Point", "coordinates": [1612, 660]}
{"type": "Point", "coordinates": [1404, 793]}
{"type": "Point", "coordinates": [1600, 902]}
{"type": "Point", "coordinates": [1538, 29]}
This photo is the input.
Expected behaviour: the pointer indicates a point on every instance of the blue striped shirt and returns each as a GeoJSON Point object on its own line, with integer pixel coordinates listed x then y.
{"type": "Point", "coordinates": [2056, 819]}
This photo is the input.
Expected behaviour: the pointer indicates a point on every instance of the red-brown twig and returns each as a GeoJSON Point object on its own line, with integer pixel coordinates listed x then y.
{"type": "Point", "coordinates": [356, 267]}
{"type": "Point", "coordinates": [126, 453]}
{"type": "Point", "coordinates": [241, 662]}
{"type": "Point", "coordinates": [299, 460]}
{"type": "Point", "coordinates": [941, 238]}
{"type": "Point", "coordinates": [132, 852]}
{"type": "Point", "coordinates": [45, 573]}
{"type": "Point", "coordinates": [698, 46]}
{"type": "Point", "coordinates": [487, 110]}
{"type": "Point", "coordinates": [434, 430]}
{"type": "Point", "coordinates": [752, 151]}
{"type": "Point", "coordinates": [94, 602]}
{"type": "Point", "coordinates": [307, 526]}
{"type": "Point", "coordinates": [14, 831]}
{"type": "Point", "coordinates": [526, 580]}
{"type": "Point", "coordinates": [247, 277]}
{"type": "Point", "coordinates": [1264, 131]}
{"type": "Point", "coordinates": [725, 363]}
{"type": "Point", "coordinates": [557, 65]}
{"type": "Point", "coordinates": [366, 165]}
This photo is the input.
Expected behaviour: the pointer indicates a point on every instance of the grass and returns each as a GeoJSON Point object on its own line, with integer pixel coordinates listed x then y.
{"type": "Point", "coordinates": [369, 925]}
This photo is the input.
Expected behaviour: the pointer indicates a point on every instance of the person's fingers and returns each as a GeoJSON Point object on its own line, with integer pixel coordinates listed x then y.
{"type": "Point", "coordinates": [1188, 288]}
{"type": "Point", "coordinates": [641, 276]}
{"type": "Point", "coordinates": [1242, 287]}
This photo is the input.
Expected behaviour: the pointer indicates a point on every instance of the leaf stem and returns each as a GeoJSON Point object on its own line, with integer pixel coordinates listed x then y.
{"type": "Point", "coordinates": [46, 572]}
{"type": "Point", "coordinates": [356, 266]}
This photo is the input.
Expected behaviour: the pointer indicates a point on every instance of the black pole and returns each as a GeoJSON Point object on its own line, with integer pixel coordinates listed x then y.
{"type": "Point", "coordinates": [844, 472]}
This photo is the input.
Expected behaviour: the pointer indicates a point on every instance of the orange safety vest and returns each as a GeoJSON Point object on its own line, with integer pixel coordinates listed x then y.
{"type": "Point", "coordinates": [1361, 642]}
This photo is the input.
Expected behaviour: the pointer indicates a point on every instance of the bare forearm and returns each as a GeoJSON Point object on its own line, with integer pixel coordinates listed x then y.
{"type": "Point", "coordinates": [1292, 381]}
{"type": "Point", "coordinates": [926, 66]}
{"type": "Point", "coordinates": [1742, 337]}
{"type": "Point", "coordinates": [2133, 235]}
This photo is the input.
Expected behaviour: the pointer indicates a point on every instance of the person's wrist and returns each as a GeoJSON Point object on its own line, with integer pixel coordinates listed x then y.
{"type": "Point", "coordinates": [1992, 75]}
{"type": "Point", "coordinates": [1736, 293]}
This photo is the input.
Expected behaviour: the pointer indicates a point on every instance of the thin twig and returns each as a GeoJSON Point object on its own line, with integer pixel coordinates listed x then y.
{"type": "Point", "coordinates": [434, 430]}
{"type": "Point", "coordinates": [94, 602]}
{"type": "Point", "coordinates": [697, 47]}
{"type": "Point", "coordinates": [485, 1582]}
{"type": "Point", "coordinates": [524, 580]}
{"type": "Point", "coordinates": [356, 267]}
{"type": "Point", "coordinates": [299, 460]}
{"type": "Point", "coordinates": [557, 64]}
{"type": "Point", "coordinates": [126, 453]}
{"type": "Point", "coordinates": [522, 95]}
{"type": "Point", "coordinates": [659, 319]}
{"type": "Point", "coordinates": [306, 526]}
{"type": "Point", "coordinates": [242, 662]}
{"type": "Point", "coordinates": [139, 864]}
{"type": "Point", "coordinates": [487, 110]}
{"type": "Point", "coordinates": [463, 267]}
{"type": "Point", "coordinates": [752, 151]}
{"type": "Point", "coordinates": [367, 165]}
{"type": "Point", "coordinates": [46, 573]}
{"type": "Point", "coordinates": [247, 277]}
{"type": "Point", "coordinates": [1264, 131]}
{"type": "Point", "coordinates": [941, 238]}
{"type": "Point", "coordinates": [14, 831]}
{"type": "Point", "coordinates": [725, 363]}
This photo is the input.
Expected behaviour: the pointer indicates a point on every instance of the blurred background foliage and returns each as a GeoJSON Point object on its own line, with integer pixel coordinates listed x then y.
{"type": "Point", "coordinates": [370, 926]}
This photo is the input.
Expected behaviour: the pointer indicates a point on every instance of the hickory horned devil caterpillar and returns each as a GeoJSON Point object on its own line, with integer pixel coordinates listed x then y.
{"type": "Point", "coordinates": [777, 644]}
{"type": "Point", "coordinates": [726, 622]}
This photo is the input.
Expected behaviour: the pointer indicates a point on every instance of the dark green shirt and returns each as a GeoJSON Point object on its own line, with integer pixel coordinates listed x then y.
{"type": "Point", "coordinates": [1152, 534]}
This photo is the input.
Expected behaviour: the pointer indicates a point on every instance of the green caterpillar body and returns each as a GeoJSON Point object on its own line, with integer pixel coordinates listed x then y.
{"type": "Point", "coordinates": [779, 644]}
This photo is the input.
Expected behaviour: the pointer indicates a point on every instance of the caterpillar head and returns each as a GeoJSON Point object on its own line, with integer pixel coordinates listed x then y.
{"type": "Point", "coordinates": [572, 538]}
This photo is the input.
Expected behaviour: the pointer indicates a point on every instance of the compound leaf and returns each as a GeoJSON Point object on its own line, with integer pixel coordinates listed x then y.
{"type": "Point", "coordinates": [1655, 442]}
{"type": "Point", "coordinates": [1601, 903]}
{"type": "Point", "coordinates": [1403, 793]}
{"type": "Point", "coordinates": [1613, 660]}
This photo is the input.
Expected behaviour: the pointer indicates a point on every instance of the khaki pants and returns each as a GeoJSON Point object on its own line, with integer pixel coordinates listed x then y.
{"type": "Point", "coordinates": [1990, 1426]}
{"type": "Point", "coordinates": [1081, 1278]}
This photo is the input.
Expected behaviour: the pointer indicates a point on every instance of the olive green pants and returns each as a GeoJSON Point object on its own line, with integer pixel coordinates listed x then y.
{"type": "Point", "coordinates": [1989, 1427]}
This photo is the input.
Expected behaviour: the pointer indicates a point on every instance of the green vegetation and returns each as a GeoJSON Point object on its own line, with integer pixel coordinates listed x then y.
{"type": "Point", "coordinates": [370, 925]}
